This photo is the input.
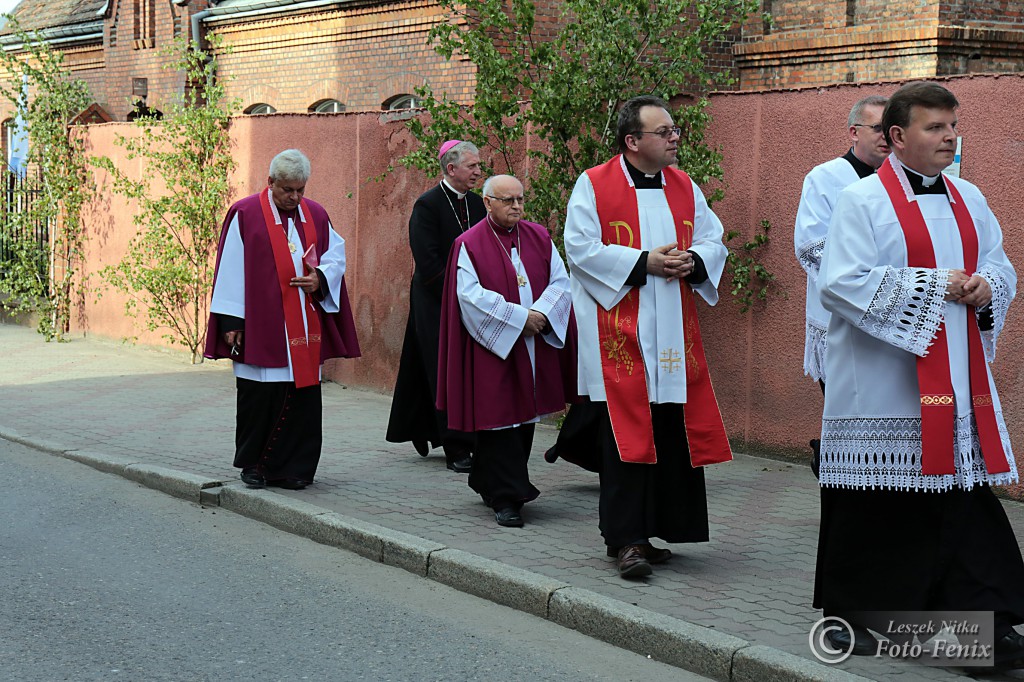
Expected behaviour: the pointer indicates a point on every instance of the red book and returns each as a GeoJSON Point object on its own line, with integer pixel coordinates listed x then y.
{"type": "Point", "coordinates": [310, 258]}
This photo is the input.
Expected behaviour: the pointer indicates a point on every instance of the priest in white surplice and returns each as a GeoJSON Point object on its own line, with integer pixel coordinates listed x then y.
{"type": "Point", "coordinates": [507, 344]}
{"type": "Point", "coordinates": [642, 244]}
{"type": "Point", "coordinates": [918, 284]}
{"type": "Point", "coordinates": [820, 191]}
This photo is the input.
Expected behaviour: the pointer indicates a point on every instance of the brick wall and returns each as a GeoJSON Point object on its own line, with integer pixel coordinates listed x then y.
{"type": "Point", "coordinates": [819, 44]}
{"type": "Point", "coordinates": [134, 36]}
{"type": "Point", "coordinates": [999, 14]}
{"type": "Point", "coordinates": [359, 56]}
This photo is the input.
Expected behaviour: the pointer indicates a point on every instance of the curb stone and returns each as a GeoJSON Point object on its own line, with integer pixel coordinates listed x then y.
{"type": "Point", "coordinates": [764, 664]}
{"type": "Point", "coordinates": [107, 463]}
{"type": "Point", "coordinates": [37, 444]}
{"type": "Point", "coordinates": [513, 587]}
{"type": "Point", "coordinates": [369, 540]}
{"type": "Point", "coordinates": [698, 649]}
{"type": "Point", "coordinates": [176, 483]}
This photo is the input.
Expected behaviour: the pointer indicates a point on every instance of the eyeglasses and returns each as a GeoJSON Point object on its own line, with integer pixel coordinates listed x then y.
{"type": "Point", "coordinates": [508, 201]}
{"type": "Point", "coordinates": [877, 128]}
{"type": "Point", "coordinates": [663, 133]}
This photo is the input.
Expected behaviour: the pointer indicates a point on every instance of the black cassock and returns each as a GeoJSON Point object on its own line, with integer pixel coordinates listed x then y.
{"type": "Point", "coordinates": [438, 217]}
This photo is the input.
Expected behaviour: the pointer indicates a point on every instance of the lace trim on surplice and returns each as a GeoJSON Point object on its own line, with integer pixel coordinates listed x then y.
{"type": "Point", "coordinates": [907, 308]}
{"type": "Point", "coordinates": [815, 348]}
{"type": "Point", "coordinates": [809, 256]}
{"type": "Point", "coordinates": [885, 452]}
{"type": "Point", "coordinates": [1000, 305]}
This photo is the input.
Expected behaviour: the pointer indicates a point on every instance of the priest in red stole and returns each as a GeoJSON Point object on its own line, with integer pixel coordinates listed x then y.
{"type": "Point", "coordinates": [642, 245]}
{"type": "Point", "coordinates": [913, 436]}
{"type": "Point", "coordinates": [507, 344]}
{"type": "Point", "coordinates": [279, 310]}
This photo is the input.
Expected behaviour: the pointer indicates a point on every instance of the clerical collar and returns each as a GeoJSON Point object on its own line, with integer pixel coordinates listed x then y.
{"type": "Point", "coordinates": [862, 169]}
{"type": "Point", "coordinates": [292, 215]}
{"type": "Point", "coordinates": [498, 228]}
{"type": "Point", "coordinates": [924, 184]}
{"type": "Point", "coordinates": [642, 180]}
{"type": "Point", "coordinates": [458, 194]}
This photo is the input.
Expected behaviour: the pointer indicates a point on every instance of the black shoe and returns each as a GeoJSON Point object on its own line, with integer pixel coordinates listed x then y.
{"type": "Point", "coordinates": [461, 466]}
{"type": "Point", "coordinates": [422, 447]}
{"type": "Point", "coordinates": [654, 555]}
{"type": "Point", "coordinates": [864, 643]}
{"type": "Point", "coordinates": [551, 456]}
{"type": "Point", "coordinates": [1009, 651]}
{"type": "Point", "coordinates": [252, 478]}
{"type": "Point", "coordinates": [816, 457]}
{"type": "Point", "coordinates": [288, 483]}
{"type": "Point", "coordinates": [509, 517]}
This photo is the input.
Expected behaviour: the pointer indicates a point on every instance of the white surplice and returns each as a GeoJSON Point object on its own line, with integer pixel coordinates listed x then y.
{"type": "Point", "coordinates": [496, 323]}
{"type": "Point", "coordinates": [884, 315]}
{"type": "Point", "coordinates": [229, 288]}
{"type": "Point", "coordinates": [817, 201]}
{"type": "Point", "coordinates": [599, 273]}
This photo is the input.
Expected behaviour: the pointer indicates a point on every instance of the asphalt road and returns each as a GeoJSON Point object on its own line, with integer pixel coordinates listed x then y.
{"type": "Point", "coordinates": [103, 579]}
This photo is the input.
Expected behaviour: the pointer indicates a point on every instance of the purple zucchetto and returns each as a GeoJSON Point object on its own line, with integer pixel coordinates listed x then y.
{"type": "Point", "coordinates": [445, 147]}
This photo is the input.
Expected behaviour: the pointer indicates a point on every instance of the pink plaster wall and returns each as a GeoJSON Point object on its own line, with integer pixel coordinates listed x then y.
{"type": "Point", "coordinates": [770, 140]}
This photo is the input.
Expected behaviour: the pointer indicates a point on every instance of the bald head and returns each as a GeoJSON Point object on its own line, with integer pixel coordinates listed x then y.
{"type": "Point", "coordinates": [503, 198]}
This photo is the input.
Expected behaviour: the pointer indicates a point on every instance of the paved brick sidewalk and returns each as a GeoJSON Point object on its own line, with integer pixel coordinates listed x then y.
{"type": "Point", "coordinates": [753, 580]}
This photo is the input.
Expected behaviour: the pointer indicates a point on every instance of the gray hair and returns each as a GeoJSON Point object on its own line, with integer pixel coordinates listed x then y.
{"type": "Point", "coordinates": [291, 164]}
{"type": "Point", "coordinates": [858, 108]}
{"type": "Point", "coordinates": [490, 181]}
{"type": "Point", "coordinates": [455, 154]}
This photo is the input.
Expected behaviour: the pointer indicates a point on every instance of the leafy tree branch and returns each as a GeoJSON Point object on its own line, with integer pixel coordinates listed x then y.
{"type": "Point", "coordinates": [181, 195]}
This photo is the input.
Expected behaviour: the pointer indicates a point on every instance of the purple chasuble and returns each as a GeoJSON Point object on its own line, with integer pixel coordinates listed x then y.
{"type": "Point", "coordinates": [265, 341]}
{"type": "Point", "coordinates": [476, 388]}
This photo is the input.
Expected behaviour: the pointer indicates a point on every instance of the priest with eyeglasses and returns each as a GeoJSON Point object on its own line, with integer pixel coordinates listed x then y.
{"type": "Point", "coordinates": [642, 246]}
{"type": "Point", "coordinates": [507, 344]}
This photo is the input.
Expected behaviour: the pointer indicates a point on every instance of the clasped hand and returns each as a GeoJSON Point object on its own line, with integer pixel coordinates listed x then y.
{"type": "Point", "coordinates": [670, 263]}
{"type": "Point", "coordinates": [973, 290]}
{"type": "Point", "coordinates": [535, 323]}
{"type": "Point", "coordinates": [310, 282]}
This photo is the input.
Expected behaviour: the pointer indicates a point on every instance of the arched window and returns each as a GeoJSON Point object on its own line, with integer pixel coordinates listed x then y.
{"type": "Point", "coordinates": [327, 106]}
{"type": "Point", "coordinates": [260, 108]}
{"type": "Point", "coordinates": [402, 102]}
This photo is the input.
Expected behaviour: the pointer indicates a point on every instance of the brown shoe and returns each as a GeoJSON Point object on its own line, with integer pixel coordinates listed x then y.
{"type": "Point", "coordinates": [632, 562]}
{"type": "Point", "coordinates": [654, 555]}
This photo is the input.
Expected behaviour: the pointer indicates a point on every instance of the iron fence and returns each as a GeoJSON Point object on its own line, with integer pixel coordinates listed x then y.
{"type": "Point", "coordinates": [20, 227]}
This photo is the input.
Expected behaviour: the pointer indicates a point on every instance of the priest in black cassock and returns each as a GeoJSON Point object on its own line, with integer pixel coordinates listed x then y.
{"type": "Point", "coordinates": [440, 215]}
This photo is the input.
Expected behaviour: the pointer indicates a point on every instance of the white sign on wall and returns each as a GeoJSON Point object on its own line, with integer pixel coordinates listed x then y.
{"type": "Point", "coordinates": [953, 169]}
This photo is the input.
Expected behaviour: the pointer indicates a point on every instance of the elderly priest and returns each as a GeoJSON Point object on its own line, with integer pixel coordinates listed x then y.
{"type": "Point", "coordinates": [507, 344]}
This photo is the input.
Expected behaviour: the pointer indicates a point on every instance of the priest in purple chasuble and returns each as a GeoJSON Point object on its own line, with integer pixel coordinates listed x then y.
{"type": "Point", "coordinates": [642, 246]}
{"type": "Point", "coordinates": [507, 344]}
{"type": "Point", "coordinates": [279, 310]}
{"type": "Point", "coordinates": [913, 437]}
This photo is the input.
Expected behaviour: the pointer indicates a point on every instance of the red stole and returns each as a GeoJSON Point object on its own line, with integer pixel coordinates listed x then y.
{"type": "Point", "coordinates": [305, 355]}
{"type": "Point", "coordinates": [622, 364]}
{"type": "Point", "coordinates": [933, 371]}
